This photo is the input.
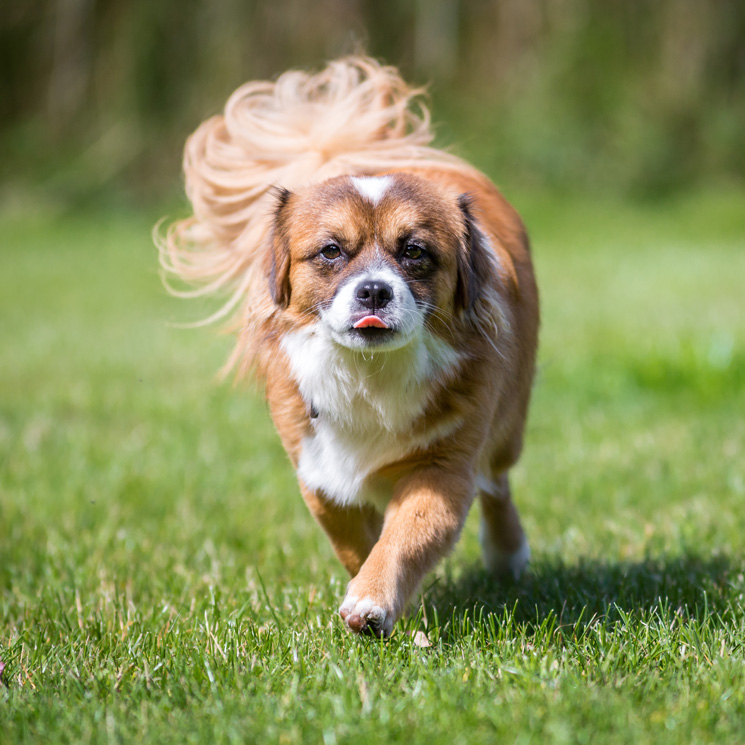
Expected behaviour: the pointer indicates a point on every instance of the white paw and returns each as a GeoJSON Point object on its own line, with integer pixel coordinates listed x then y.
{"type": "Point", "coordinates": [500, 563]}
{"type": "Point", "coordinates": [364, 616]}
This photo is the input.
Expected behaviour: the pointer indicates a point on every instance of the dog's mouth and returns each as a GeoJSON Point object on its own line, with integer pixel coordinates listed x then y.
{"type": "Point", "coordinates": [372, 328]}
{"type": "Point", "coordinates": [371, 322]}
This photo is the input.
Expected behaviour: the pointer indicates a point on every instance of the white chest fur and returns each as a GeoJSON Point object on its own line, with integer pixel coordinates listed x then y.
{"type": "Point", "coordinates": [366, 406]}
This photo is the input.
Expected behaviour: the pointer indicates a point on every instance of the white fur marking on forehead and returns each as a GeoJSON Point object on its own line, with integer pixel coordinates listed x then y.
{"type": "Point", "coordinates": [372, 187]}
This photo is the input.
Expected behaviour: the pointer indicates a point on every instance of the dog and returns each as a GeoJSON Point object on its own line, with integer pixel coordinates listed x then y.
{"type": "Point", "coordinates": [383, 292]}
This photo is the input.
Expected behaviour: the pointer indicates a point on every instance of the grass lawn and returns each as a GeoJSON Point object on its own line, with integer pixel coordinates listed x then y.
{"type": "Point", "coordinates": [160, 579]}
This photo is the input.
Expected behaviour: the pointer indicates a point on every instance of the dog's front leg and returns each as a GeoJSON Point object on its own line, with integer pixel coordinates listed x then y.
{"type": "Point", "coordinates": [352, 530]}
{"type": "Point", "coordinates": [422, 522]}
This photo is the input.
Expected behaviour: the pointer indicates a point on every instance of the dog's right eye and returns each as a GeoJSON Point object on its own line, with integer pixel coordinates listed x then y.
{"type": "Point", "coordinates": [331, 252]}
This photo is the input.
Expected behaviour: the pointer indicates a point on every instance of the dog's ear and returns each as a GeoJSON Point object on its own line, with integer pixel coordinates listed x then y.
{"type": "Point", "coordinates": [279, 271]}
{"type": "Point", "coordinates": [473, 259]}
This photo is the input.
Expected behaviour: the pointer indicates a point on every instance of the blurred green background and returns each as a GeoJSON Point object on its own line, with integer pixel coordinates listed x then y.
{"type": "Point", "coordinates": [160, 577]}
{"type": "Point", "coordinates": [633, 97]}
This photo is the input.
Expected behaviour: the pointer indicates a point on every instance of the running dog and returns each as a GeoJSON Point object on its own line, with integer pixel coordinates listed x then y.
{"type": "Point", "coordinates": [383, 293]}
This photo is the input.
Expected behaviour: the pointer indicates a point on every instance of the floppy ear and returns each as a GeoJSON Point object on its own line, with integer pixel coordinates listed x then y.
{"type": "Point", "coordinates": [279, 271]}
{"type": "Point", "coordinates": [473, 259]}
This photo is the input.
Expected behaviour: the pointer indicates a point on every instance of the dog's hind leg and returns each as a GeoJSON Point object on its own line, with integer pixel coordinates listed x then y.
{"type": "Point", "coordinates": [504, 546]}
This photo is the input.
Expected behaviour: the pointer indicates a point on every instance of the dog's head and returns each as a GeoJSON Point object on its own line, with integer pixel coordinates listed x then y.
{"type": "Point", "coordinates": [376, 259]}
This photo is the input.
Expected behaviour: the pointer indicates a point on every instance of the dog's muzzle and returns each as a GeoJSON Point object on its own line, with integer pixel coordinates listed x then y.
{"type": "Point", "coordinates": [376, 310]}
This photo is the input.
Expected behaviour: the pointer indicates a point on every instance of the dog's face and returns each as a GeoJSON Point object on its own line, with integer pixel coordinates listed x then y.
{"type": "Point", "coordinates": [374, 259]}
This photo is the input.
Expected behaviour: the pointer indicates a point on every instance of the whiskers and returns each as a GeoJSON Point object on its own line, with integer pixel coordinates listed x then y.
{"type": "Point", "coordinates": [487, 317]}
{"type": "Point", "coordinates": [433, 312]}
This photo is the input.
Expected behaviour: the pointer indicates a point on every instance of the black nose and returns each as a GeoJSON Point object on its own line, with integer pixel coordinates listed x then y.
{"type": "Point", "coordinates": [374, 295]}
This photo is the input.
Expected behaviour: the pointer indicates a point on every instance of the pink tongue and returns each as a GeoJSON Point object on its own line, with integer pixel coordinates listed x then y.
{"type": "Point", "coordinates": [371, 322]}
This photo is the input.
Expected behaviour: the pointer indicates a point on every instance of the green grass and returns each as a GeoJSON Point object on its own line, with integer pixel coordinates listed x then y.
{"type": "Point", "coordinates": [161, 581]}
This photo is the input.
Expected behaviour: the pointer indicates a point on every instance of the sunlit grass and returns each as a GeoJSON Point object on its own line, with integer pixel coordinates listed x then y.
{"type": "Point", "coordinates": [161, 580]}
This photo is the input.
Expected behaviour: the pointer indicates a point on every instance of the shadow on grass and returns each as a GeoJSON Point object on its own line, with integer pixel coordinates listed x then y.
{"type": "Point", "coordinates": [687, 585]}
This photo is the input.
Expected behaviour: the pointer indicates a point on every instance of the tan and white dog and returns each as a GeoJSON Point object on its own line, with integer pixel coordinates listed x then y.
{"type": "Point", "coordinates": [383, 292]}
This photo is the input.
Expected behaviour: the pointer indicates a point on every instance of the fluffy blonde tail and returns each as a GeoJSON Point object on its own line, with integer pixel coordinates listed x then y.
{"type": "Point", "coordinates": [354, 117]}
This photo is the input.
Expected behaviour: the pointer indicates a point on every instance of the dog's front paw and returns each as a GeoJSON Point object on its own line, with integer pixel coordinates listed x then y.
{"type": "Point", "coordinates": [365, 616]}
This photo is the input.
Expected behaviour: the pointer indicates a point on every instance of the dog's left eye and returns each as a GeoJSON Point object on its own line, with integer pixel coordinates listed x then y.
{"type": "Point", "coordinates": [331, 252]}
{"type": "Point", "coordinates": [413, 252]}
